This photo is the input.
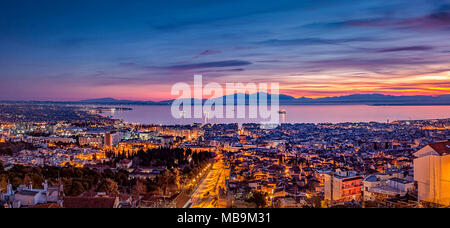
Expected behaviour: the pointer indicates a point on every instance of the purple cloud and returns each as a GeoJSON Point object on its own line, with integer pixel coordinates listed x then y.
{"type": "Point", "coordinates": [408, 48]}
{"type": "Point", "coordinates": [127, 64]}
{"type": "Point", "coordinates": [439, 19]}
{"type": "Point", "coordinates": [207, 53]}
{"type": "Point", "coordinates": [374, 65]}
{"type": "Point", "coordinates": [229, 63]}
{"type": "Point", "coordinates": [314, 41]}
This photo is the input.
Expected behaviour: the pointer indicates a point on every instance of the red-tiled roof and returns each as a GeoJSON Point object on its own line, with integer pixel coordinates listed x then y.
{"type": "Point", "coordinates": [47, 205]}
{"type": "Point", "coordinates": [89, 202]}
{"type": "Point", "coordinates": [442, 148]}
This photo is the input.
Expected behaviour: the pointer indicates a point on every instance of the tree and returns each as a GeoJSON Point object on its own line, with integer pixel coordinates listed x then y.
{"type": "Point", "coordinates": [76, 188]}
{"type": "Point", "coordinates": [316, 202]}
{"type": "Point", "coordinates": [36, 179]}
{"type": "Point", "coordinates": [27, 180]}
{"type": "Point", "coordinates": [16, 181]}
{"type": "Point", "coordinates": [163, 182]}
{"type": "Point", "coordinates": [109, 186]}
{"type": "Point", "coordinates": [259, 198]}
{"type": "Point", "coordinates": [177, 178]}
{"type": "Point", "coordinates": [139, 188]}
{"type": "Point", "coordinates": [3, 183]}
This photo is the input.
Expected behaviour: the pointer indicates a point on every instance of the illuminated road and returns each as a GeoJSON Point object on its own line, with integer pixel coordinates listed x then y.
{"type": "Point", "coordinates": [207, 192]}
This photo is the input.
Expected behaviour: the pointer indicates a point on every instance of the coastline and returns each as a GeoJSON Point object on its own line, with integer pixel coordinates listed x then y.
{"type": "Point", "coordinates": [192, 104]}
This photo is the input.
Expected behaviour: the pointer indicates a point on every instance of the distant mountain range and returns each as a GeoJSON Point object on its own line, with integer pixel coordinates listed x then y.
{"type": "Point", "coordinates": [368, 99]}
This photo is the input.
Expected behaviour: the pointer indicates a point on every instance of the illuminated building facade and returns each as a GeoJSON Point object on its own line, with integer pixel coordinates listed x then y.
{"type": "Point", "coordinates": [111, 139]}
{"type": "Point", "coordinates": [432, 173]}
{"type": "Point", "coordinates": [343, 186]}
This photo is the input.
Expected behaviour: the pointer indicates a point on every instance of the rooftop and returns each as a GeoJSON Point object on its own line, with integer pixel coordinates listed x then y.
{"type": "Point", "coordinates": [47, 205]}
{"type": "Point", "coordinates": [89, 202]}
{"type": "Point", "coordinates": [402, 181]}
{"type": "Point", "coordinates": [443, 147]}
{"type": "Point", "coordinates": [27, 193]}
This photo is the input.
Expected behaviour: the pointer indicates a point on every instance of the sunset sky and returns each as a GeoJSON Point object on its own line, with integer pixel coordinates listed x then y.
{"type": "Point", "coordinates": [128, 49]}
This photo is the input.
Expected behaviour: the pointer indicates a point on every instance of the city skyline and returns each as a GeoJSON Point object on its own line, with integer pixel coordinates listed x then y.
{"type": "Point", "coordinates": [44, 149]}
{"type": "Point", "coordinates": [55, 50]}
{"type": "Point", "coordinates": [253, 105]}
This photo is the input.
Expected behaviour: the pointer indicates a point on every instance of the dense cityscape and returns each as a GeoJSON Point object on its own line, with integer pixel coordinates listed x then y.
{"type": "Point", "coordinates": [67, 156]}
{"type": "Point", "coordinates": [224, 112]}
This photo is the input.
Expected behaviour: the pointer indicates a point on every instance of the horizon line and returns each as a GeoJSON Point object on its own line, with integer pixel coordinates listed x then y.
{"type": "Point", "coordinates": [163, 100]}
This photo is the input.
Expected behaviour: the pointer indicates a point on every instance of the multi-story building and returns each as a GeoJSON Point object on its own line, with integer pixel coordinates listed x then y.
{"type": "Point", "coordinates": [60, 140]}
{"type": "Point", "coordinates": [432, 173]}
{"type": "Point", "coordinates": [111, 139]}
{"type": "Point", "coordinates": [343, 186]}
{"type": "Point", "coordinates": [27, 196]}
{"type": "Point", "coordinates": [378, 187]}
{"type": "Point", "coordinates": [93, 141]}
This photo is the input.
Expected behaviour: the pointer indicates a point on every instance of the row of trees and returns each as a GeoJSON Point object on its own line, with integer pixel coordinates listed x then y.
{"type": "Point", "coordinates": [158, 186]}
{"type": "Point", "coordinates": [10, 148]}
{"type": "Point", "coordinates": [74, 180]}
{"type": "Point", "coordinates": [163, 156]}
{"type": "Point", "coordinates": [182, 165]}
{"type": "Point", "coordinates": [258, 198]}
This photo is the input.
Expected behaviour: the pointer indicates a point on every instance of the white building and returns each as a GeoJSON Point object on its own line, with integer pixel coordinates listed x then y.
{"type": "Point", "coordinates": [125, 164]}
{"type": "Point", "coordinates": [432, 173]}
{"type": "Point", "coordinates": [60, 140]}
{"type": "Point", "coordinates": [381, 186]}
{"type": "Point", "coordinates": [27, 196]}
{"type": "Point", "coordinates": [90, 141]}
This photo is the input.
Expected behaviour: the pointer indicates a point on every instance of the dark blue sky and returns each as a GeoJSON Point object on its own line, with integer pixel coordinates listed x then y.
{"type": "Point", "coordinates": [68, 50]}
